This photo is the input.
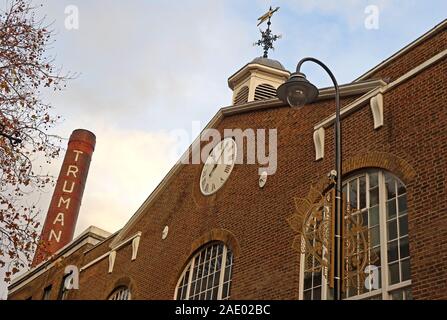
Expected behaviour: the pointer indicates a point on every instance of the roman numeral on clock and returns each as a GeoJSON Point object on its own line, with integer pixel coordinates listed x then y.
{"type": "Point", "coordinates": [227, 168]}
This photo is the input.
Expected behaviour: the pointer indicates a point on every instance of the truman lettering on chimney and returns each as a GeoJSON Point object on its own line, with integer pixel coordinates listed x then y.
{"type": "Point", "coordinates": [60, 222]}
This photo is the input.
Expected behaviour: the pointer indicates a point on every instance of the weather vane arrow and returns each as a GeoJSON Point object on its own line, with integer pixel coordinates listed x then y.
{"type": "Point", "coordinates": [267, 15]}
{"type": "Point", "coordinates": [267, 38]}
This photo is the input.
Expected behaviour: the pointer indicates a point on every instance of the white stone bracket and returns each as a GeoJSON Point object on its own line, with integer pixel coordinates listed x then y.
{"type": "Point", "coordinates": [376, 104]}
{"type": "Point", "coordinates": [112, 256]}
{"type": "Point", "coordinates": [135, 245]}
{"type": "Point", "coordinates": [319, 143]}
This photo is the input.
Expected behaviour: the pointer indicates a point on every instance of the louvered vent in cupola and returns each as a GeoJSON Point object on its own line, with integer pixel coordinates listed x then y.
{"type": "Point", "coordinates": [257, 81]}
{"type": "Point", "coordinates": [242, 96]}
{"type": "Point", "coordinates": [265, 91]}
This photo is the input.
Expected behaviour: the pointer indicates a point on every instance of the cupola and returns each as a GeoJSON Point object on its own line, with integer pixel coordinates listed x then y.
{"type": "Point", "coordinates": [257, 80]}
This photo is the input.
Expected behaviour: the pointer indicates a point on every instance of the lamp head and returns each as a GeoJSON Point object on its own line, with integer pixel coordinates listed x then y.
{"type": "Point", "coordinates": [297, 90]}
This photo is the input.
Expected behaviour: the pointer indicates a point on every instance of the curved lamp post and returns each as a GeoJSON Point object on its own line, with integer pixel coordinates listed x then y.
{"type": "Point", "coordinates": [298, 91]}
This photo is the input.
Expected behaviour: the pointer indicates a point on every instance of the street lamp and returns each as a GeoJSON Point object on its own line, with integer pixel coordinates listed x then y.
{"type": "Point", "coordinates": [298, 91]}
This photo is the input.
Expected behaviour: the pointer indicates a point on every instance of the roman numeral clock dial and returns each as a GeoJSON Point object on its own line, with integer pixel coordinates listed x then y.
{"type": "Point", "coordinates": [218, 166]}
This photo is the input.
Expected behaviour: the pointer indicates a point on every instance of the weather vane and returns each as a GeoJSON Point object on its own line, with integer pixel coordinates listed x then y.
{"type": "Point", "coordinates": [267, 38]}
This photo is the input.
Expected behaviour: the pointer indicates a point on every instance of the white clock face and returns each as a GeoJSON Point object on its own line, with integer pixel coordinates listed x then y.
{"type": "Point", "coordinates": [218, 166]}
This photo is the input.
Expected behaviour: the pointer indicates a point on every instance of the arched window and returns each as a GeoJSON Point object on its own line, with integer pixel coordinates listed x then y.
{"type": "Point", "coordinates": [378, 199]}
{"type": "Point", "coordinates": [207, 275]}
{"type": "Point", "coordinates": [120, 293]}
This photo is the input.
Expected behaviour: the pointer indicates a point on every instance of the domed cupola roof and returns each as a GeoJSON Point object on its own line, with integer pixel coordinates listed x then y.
{"type": "Point", "coordinates": [268, 62]}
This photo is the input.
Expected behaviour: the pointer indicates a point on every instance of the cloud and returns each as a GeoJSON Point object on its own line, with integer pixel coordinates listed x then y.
{"type": "Point", "coordinates": [351, 13]}
{"type": "Point", "coordinates": [142, 60]}
{"type": "Point", "coordinates": [125, 167]}
{"type": "Point", "coordinates": [145, 68]}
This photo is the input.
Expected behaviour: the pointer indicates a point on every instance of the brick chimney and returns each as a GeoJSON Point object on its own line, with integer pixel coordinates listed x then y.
{"type": "Point", "coordinates": [62, 215]}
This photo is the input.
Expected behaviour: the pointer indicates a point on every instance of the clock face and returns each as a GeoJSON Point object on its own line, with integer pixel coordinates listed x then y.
{"type": "Point", "coordinates": [218, 166]}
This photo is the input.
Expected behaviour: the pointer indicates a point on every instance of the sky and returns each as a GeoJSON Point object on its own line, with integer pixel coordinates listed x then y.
{"type": "Point", "coordinates": [147, 69]}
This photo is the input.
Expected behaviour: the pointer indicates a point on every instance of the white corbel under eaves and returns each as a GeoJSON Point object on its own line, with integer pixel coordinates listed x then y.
{"type": "Point", "coordinates": [112, 253]}
{"type": "Point", "coordinates": [376, 104]}
{"type": "Point", "coordinates": [135, 245]}
{"type": "Point", "coordinates": [319, 143]}
{"type": "Point", "coordinates": [112, 256]}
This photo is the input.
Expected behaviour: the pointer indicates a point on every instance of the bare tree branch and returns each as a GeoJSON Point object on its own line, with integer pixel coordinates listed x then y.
{"type": "Point", "coordinates": [25, 70]}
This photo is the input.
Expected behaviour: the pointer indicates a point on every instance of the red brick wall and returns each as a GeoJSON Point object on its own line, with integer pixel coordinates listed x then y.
{"type": "Point", "coordinates": [414, 57]}
{"type": "Point", "coordinates": [53, 276]}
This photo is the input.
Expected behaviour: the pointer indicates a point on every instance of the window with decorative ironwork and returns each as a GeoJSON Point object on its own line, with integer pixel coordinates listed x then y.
{"type": "Point", "coordinates": [375, 243]}
{"type": "Point", "coordinates": [120, 293]}
{"type": "Point", "coordinates": [207, 275]}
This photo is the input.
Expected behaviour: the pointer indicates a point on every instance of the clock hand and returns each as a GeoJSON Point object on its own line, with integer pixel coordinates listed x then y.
{"type": "Point", "coordinates": [216, 163]}
{"type": "Point", "coordinates": [212, 170]}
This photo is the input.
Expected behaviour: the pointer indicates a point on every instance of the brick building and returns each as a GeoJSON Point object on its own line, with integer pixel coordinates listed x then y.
{"type": "Point", "coordinates": [239, 240]}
